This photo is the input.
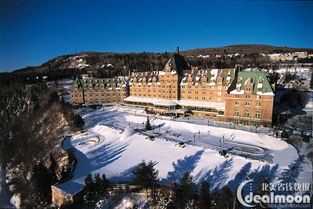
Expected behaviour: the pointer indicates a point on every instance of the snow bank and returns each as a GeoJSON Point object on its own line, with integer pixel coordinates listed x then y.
{"type": "Point", "coordinates": [127, 133]}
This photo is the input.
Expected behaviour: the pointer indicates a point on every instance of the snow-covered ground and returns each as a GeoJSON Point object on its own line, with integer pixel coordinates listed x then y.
{"type": "Point", "coordinates": [111, 146]}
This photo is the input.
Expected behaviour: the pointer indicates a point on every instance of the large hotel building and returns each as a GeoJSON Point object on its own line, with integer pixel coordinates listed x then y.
{"type": "Point", "coordinates": [222, 94]}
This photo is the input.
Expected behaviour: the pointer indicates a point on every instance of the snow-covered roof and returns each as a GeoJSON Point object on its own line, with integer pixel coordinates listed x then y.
{"type": "Point", "coordinates": [165, 102]}
{"type": "Point", "coordinates": [216, 105]}
{"type": "Point", "coordinates": [69, 187]}
{"type": "Point", "coordinates": [214, 74]}
{"type": "Point", "coordinates": [265, 93]}
{"type": "Point", "coordinates": [237, 92]}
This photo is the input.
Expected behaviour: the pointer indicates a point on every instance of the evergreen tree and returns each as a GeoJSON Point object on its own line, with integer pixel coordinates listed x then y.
{"type": "Point", "coordinates": [146, 176]}
{"type": "Point", "coordinates": [148, 125]}
{"type": "Point", "coordinates": [78, 121]}
{"type": "Point", "coordinates": [225, 199]}
{"type": "Point", "coordinates": [184, 191]}
{"type": "Point", "coordinates": [52, 166]}
{"type": "Point", "coordinates": [205, 197]}
{"type": "Point", "coordinates": [95, 188]}
{"type": "Point", "coordinates": [41, 182]}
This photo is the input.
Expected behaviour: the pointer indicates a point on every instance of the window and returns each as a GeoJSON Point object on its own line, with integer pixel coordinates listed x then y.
{"type": "Point", "coordinates": [245, 122]}
{"type": "Point", "coordinates": [258, 104]}
{"type": "Point", "coordinates": [219, 87]}
{"type": "Point", "coordinates": [257, 114]}
{"type": "Point", "coordinates": [248, 96]}
{"type": "Point", "coordinates": [237, 96]}
{"type": "Point", "coordinates": [258, 97]}
{"type": "Point", "coordinates": [248, 89]}
{"type": "Point", "coordinates": [236, 113]}
{"type": "Point", "coordinates": [247, 113]}
{"type": "Point", "coordinates": [203, 98]}
{"type": "Point", "coordinates": [247, 103]}
{"type": "Point", "coordinates": [236, 103]}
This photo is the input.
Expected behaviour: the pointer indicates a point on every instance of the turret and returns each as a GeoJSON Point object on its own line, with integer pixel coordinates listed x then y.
{"type": "Point", "coordinates": [177, 49]}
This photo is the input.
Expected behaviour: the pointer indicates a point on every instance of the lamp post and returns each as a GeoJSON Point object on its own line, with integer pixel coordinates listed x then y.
{"type": "Point", "coordinates": [194, 137]}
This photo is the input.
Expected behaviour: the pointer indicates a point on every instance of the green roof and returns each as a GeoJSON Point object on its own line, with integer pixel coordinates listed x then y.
{"type": "Point", "coordinates": [83, 84]}
{"type": "Point", "coordinates": [255, 78]}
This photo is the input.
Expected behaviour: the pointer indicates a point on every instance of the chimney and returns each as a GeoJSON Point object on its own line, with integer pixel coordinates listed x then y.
{"type": "Point", "coordinates": [177, 49]}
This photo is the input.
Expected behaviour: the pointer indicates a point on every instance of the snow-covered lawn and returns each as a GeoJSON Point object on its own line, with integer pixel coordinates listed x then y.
{"type": "Point", "coordinates": [111, 146]}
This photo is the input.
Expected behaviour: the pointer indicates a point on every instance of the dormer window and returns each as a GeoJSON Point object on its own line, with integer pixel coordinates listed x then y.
{"type": "Point", "coordinates": [228, 80]}
{"type": "Point", "coordinates": [219, 79]}
{"type": "Point", "coordinates": [238, 85]}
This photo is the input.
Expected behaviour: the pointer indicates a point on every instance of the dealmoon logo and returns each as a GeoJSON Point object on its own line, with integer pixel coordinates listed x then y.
{"type": "Point", "coordinates": [239, 194]}
{"type": "Point", "coordinates": [251, 200]}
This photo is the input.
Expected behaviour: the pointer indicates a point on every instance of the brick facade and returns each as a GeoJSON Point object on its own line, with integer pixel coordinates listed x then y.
{"type": "Point", "coordinates": [222, 94]}
{"type": "Point", "coordinates": [91, 91]}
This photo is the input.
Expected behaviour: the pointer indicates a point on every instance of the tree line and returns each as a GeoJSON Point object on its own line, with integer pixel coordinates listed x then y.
{"type": "Point", "coordinates": [184, 194]}
{"type": "Point", "coordinates": [33, 121]}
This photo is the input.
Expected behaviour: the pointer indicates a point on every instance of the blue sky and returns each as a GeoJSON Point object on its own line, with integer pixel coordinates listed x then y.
{"type": "Point", "coordinates": [34, 31]}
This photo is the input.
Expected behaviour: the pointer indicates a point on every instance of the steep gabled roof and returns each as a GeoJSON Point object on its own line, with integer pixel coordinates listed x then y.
{"type": "Point", "coordinates": [83, 84]}
{"type": "Point", "coordinates": [211, 74]}
{"type": "Point", "coordinates": [177, 62]}
{"type": "Point", "coordinates": [256, 78]}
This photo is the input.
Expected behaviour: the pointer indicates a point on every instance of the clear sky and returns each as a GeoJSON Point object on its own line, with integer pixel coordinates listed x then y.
{"type": "Point", "coordinates": [34, 31]}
